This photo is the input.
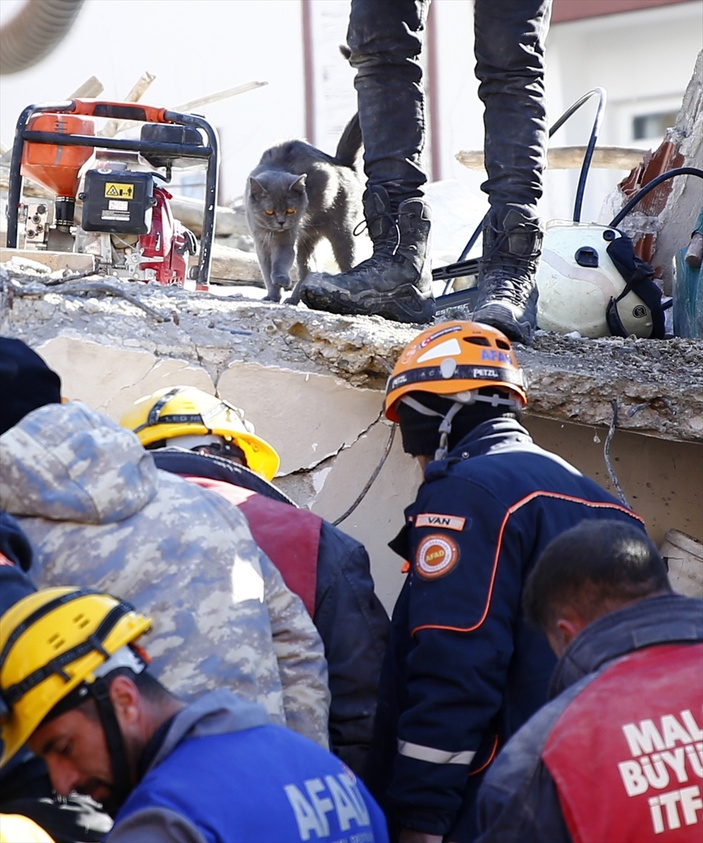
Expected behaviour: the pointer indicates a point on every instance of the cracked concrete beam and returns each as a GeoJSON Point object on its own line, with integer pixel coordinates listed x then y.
{"type": "Point", "coordinates": [316, 416]}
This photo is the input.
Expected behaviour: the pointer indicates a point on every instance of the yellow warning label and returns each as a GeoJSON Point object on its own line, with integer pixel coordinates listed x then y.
{"type": "Point", "coordinates": [119, 191]}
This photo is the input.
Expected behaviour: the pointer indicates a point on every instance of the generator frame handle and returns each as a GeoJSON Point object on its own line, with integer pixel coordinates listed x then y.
{"type": "Point", "coordinates": [120, 111]}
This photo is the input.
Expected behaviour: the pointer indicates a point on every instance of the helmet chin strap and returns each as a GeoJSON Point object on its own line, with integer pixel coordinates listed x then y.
{"type": "Point", "coordinates": [99, 690]}
{"type": "Point", "coordinates": [121, 778]}
{"type": "Point", "coordinates": [445, 429]}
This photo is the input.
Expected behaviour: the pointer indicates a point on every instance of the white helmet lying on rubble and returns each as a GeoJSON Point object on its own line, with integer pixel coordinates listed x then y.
{"type": "Point", "coordinates": [590, 281]}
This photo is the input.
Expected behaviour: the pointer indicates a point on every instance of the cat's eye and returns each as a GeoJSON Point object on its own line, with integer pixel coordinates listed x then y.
{"type": "Point", "coordinates": [290, 210]}
{"type": "Point", "coordinates": [269, 213]}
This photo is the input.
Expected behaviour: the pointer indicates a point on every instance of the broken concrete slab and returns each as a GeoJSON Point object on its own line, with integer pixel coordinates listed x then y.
{"type": "Point", "coordinates": [657, 384]}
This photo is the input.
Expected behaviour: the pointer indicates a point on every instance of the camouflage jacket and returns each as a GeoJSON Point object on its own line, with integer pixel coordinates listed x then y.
{"type": "Point", "coordinates": [101, 515]}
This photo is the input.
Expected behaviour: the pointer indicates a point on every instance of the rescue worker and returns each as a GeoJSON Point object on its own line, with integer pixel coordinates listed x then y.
{"type": "Point", "coordinates": [618, 752]}
{"type": "Point", "coordinates": [75, 687]}
{"type": "Point", "coordinates": [99, 514]}
{"type": "Point", "coordinates": [464, 671]}
{"type": "Point", "coordinates": [211, 443]}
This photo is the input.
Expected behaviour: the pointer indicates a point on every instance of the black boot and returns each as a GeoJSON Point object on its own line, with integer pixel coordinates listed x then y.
{"type": "Point", "coordinates": [395, 281]}
{"type": "Point", "coordinates": [507, 290]}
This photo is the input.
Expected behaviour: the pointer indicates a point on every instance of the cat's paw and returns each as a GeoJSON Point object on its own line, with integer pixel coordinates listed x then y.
{"type": "Point", "coordinates": [273, 295]}
{"type": "Point", "coordinates": [281, 282]}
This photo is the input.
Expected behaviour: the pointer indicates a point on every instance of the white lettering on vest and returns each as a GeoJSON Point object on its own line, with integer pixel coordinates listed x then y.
{"type": "Point", "coordinates": [676, 760]}
{"type": "Point", "coordinates": [322, 805]}
{"type": "Point", "coordinates": [688, 798]}
{"type": "Point", "coordinates": [693, 727]}
{"type": "Point", "coordinates": [654, 770]}
{"type": "Point", "coordinates": [337, 795]}
{"type": "Point", "coordinates": [645, 737]}
{"type": "Point", "coordinates": [631, 775]}
{"type": "Point", "coordinates": [352, 790]}
{"type": "Point", "coordinates": [695, 758]}
{"type": "Point", "coordinates": [305, 815]}
{"type": "Point", "coordinates": [343, 805]}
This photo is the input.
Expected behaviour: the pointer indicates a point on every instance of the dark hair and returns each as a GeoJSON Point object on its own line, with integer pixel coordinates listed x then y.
{"type": "Point", "coordinates": [594, 568]}
{"type": "Point", "coordinates": [81, 699]}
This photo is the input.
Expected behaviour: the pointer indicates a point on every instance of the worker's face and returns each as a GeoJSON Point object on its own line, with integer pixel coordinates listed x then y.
{"type": "Point", "coordinates": [75, 750]}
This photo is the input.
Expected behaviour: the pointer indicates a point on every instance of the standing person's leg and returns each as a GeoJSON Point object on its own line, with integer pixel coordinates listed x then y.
{"type": "Point", "coordinates": [385, 41]}
{"type": "Point", "coordinates": [509, 48]}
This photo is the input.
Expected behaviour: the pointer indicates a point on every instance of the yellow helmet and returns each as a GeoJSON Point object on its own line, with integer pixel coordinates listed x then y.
{"type": "Point", "coordinates": [453, 358]}
{"type": "Point", "coordinates": [51, 642]}
{"type": "Point", "coordinates": [187, 411]}
{"type": "Point", "coordinates": [14, 827]}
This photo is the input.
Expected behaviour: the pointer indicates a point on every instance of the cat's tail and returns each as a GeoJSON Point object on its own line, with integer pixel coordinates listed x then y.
{"type": "Point", "coordinates": [350, 144]}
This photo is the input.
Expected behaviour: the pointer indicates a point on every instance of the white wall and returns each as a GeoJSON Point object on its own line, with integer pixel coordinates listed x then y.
{"type": "Point", "coordinates": [644, 60]}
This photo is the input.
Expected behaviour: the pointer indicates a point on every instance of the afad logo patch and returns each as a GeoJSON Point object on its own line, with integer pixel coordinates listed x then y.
{"type": "Point", "coordinates": [436, 556]}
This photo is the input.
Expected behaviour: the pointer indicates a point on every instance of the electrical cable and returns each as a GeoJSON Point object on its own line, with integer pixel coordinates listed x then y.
{"type": "Point", "coordinates": [371, 479]}
{"type": "Point", "coordinates": [655, 182]}
{"type": "Point", "coordinates": [588, 156]}
{"type": "Point", "coordinates": [585, 166]}
{"type": "Point", "coordinates": [606, 454]}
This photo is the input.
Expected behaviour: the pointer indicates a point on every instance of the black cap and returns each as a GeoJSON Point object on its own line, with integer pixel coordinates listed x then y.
{"type": "Point", "coordinates": [26, 382]}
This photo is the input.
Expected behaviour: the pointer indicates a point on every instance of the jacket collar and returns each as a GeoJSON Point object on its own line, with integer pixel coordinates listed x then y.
{"type": "Point", "coordinates": [489, 436]}
{"type": "Point", "coordinates": [667, 619]}
{"type": "Point", "coordinates": [215, 713]}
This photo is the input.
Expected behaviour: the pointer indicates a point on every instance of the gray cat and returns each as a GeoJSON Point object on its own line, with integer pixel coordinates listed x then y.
{"type": "Point", "coordinates": [295, 196]}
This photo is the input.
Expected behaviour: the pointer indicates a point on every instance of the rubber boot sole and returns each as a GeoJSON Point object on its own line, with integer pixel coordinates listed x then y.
{"type": "Point", "coordinates": [403, 305]}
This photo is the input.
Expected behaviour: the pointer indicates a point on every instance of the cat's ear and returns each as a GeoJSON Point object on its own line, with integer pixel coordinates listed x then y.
{"type": "Point", "coordinates": [256, 188]}
{"type": "Point", "coordinates": [299, 183]}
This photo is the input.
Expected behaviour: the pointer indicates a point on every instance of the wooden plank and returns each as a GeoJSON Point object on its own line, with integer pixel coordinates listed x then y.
{"type": "Point", "coordinates": [571, 158]}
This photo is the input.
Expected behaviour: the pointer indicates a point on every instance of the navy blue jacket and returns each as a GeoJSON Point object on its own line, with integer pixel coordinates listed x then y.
{"type": "Point", "coordinates": [619, 748]}
{"type": "Point", "coordinates": [464, 670]}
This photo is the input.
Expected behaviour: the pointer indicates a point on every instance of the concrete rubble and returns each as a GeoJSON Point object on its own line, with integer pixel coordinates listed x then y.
{"type": "Point", "coordinates": [657, 384]}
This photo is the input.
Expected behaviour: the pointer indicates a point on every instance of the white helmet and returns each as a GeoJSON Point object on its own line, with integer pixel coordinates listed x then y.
{"type": "Point", "coordinates": [581, 288]}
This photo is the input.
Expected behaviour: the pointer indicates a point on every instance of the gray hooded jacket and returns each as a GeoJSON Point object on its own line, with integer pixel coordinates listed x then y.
{"type": "Point", "coordinates": [100, 515]}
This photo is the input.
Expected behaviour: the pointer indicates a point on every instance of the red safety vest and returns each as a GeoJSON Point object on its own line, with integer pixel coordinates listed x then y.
{"type": "Point", "coordinates": [627, 753]}
{"type": "Point", "coordinates": [290, 537]}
